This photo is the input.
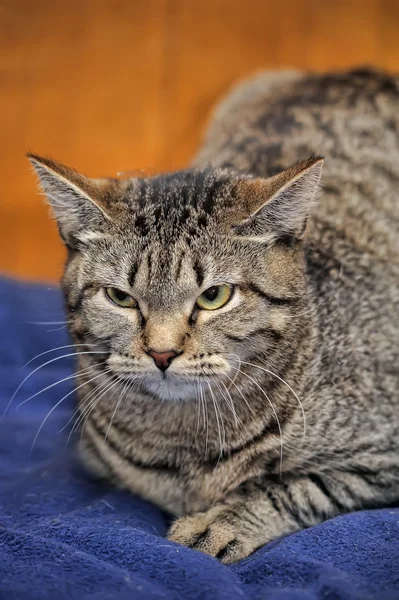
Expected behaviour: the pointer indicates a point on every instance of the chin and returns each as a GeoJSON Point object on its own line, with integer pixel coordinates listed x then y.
{"type": "Point", "coordinates": [172, 389]}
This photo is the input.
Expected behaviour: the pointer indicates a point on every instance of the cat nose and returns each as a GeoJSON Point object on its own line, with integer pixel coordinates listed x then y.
{"type": "Point", "coordinates": [163, 359]}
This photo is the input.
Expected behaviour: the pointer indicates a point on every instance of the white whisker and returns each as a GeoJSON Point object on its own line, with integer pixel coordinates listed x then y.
{"type": "Point", "coordinates": [274, 412]}
{"type": "Point", "coordinates": [206, 419]}
{"type": "Point", "coordinates": [45, 322]}
{"type": "Point", "coordinates": [229, 402]}
{"type": "Point", "coordinates": [288, 386]}
{"type": "Point", "coordinates": [41, 367]}
{"type": "Point", "coordinates": [130, 388]}
{"type": "Point", "coordinates": [88, 406]}
{"type": "Point", "coordinates": [199, 406]}
{"type": "Point", "coordinates": [57, 329]}
{"type": "Point", "coordinates": [49, 387]}
{"type": "Point", "coordinates": [82, 419]}
{"type": "Point", "coordinates": [311, 309]}
{"type": "Point", "coordinates": [232, 380]}
{"type": "Point", "coordinates": [76, 389]}
{"type": "Point", "coordinates": [219, 422]}
{"type": "Point", "coordinates": [37, 369]}
{"type": "Point", "coordinates": [116, 409]}
{"type": "Point", "coordinates": [54, 350]}
{"type": "Point", "coordinates": [246, 402]}
{"type": "Point", "coordinates": [53, 409]}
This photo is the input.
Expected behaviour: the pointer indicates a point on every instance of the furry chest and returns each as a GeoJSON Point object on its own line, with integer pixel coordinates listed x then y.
{"type": "Point", "coordinates": [190, 487]}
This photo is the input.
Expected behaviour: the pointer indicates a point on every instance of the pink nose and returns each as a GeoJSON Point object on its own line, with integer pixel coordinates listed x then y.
{"type": "Point", "coordinates": [163, 359]}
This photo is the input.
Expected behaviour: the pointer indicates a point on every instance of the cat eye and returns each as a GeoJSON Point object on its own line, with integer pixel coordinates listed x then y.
{"type": "Point", "coordinates": [120, 298]}
{"type": "Point", "coordinates": [215, 297]}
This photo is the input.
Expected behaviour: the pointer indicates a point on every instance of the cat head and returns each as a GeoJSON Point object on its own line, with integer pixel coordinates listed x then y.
{"type": "Point", "coordinates": [179, 277]}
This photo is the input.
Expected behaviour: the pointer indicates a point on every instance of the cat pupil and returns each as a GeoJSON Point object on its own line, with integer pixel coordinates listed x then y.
{"type": "Point", "coordinates": [211, 293]}
{"type": "Point", "coordinates": [120, 295]}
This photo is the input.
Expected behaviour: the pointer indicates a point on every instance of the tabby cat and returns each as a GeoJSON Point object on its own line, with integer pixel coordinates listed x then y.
{"type": "Point", "coordinates": [238, 361]}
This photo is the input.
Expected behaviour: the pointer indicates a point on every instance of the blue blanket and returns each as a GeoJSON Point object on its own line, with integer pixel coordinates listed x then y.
{"type": "Point", "coordinates": [64, 535]}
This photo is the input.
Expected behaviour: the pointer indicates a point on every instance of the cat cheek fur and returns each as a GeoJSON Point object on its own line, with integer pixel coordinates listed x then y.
{"type": "Point", "coordinates": [290, 395]}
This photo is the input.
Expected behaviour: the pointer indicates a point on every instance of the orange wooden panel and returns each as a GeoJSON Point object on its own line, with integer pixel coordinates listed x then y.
{"type": "Point", "coordinates": [114, 85]}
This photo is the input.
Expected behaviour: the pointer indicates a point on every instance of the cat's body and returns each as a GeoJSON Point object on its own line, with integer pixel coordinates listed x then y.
{"type": "Point", "coordinates": [311, 337]}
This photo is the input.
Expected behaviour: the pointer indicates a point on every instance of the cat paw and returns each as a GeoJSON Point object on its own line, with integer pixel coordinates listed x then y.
{"type": "Point", "coordinates": [218, 532]}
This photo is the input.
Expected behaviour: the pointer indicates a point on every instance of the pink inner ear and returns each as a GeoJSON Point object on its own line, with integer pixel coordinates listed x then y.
{"type": "Point", "coordinates": [64, 186]}
{"type": "Point", "coordinates": [79, 204]}
{"type": "Point", "coordinates": [280, 204]}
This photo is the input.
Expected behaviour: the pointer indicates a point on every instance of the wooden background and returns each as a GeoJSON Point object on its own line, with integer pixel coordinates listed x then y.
{"type": "Point", "coordinates": [115, 85]}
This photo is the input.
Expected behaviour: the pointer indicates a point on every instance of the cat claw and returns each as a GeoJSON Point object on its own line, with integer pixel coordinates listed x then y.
{"type": "Point", "coordinates": [215, 532]}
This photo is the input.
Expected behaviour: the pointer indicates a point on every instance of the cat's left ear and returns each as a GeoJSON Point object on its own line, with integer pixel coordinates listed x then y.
{"type": "Point", "coordinates": [280, 205]}
{"type": "Point", "coordinates": [76, 201]}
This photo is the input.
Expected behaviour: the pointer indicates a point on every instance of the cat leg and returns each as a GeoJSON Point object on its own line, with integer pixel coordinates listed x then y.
{"type": "Point", "coordinates": [264, 509]}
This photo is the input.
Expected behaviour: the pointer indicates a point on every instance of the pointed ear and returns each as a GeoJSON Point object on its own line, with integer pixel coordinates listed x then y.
{"type": "Point", "coordinates": [76, 200]}
{"type": "Point", "coordinates": [279, 206]}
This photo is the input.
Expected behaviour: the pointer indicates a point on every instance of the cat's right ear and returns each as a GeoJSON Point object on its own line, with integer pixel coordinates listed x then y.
{"type": "Point", "coordinates": [279, 206]}
{"type": "Point", "coordinates": [76, 201]}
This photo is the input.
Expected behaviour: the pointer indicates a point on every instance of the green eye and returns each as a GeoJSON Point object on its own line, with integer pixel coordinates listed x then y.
{"type": "Point", "coordinates": [120, 298]}
{"type": "Point", "coordinates": [215, 297]}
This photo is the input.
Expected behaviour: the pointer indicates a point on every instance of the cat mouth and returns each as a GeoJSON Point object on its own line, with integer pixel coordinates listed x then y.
{"type": "Point", "coordinates": [166, 375]}
{"type": "Point", "coordinates": [168, 388]}
{"type": "Point", "coordinates": [174, 374]}
{"type": "Point", "coordinates": [171, 386]}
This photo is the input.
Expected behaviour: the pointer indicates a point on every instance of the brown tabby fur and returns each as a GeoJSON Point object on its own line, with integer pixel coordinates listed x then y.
{"type": "Point", "coordinates": [310, 334]}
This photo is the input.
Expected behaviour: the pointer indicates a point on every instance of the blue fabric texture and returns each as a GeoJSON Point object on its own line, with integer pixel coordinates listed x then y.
{"type": "Point", "coordinates": [64, 535]}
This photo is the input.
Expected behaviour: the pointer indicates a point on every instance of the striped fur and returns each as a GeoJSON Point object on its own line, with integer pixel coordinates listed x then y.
{"type": "Point", "coordinates": [310, 333]}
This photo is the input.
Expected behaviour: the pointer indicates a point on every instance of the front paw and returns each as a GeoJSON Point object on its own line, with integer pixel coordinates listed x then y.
{"type": "Point", "coordinates": [219, 532]}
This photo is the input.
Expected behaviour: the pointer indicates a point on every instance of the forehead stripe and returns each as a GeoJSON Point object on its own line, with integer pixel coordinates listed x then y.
{"type": "Point", "coordinates": [199, 273]}
{"type": "Point", "coordinates": [179, 266]}
{"type": "Point", "coordinates": [132, 275]}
